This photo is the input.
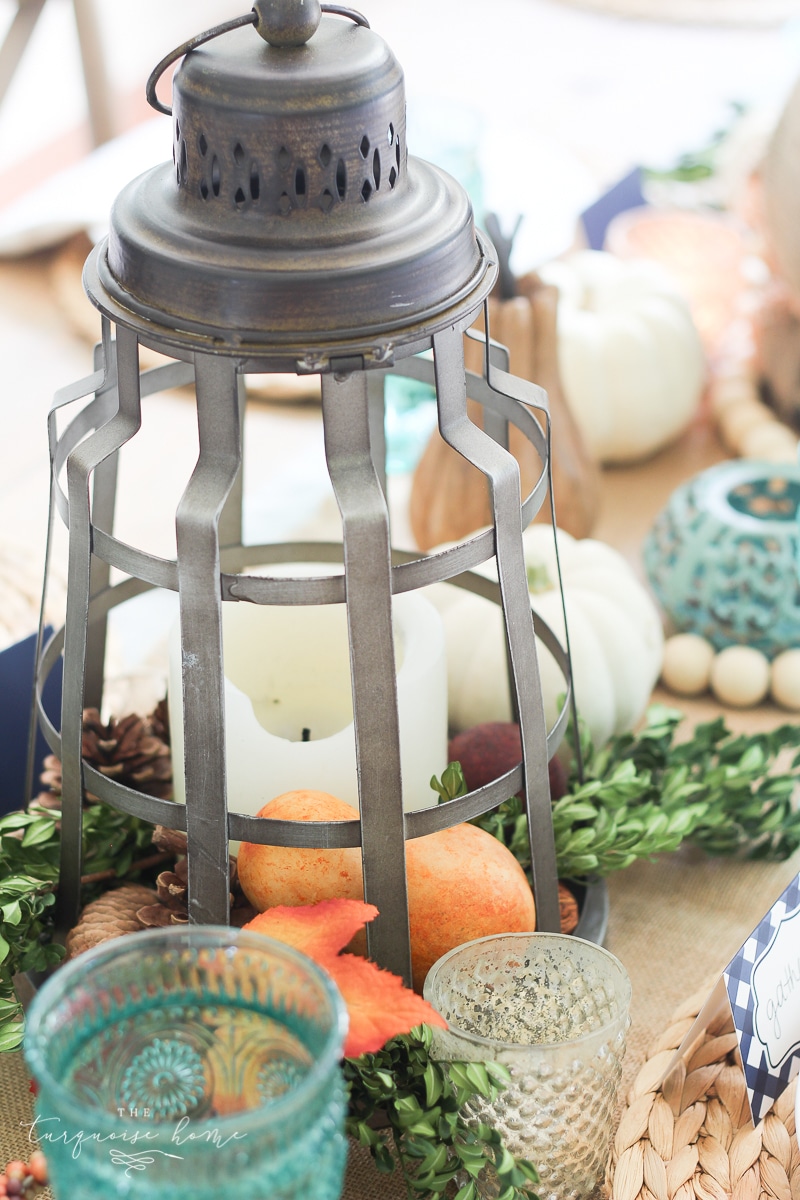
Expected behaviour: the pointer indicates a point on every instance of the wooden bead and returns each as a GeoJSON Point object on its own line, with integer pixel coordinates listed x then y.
{"type": "Point", "coordinates": [686, 668]}
{"type": "Point", "coordinates": [740, 676]}
{"type": "Point", "coordinates": [785, 680]}
{"type": "Point", "coordinates": [771, 441]}
{"type": "Point", "coordinates": [731, 390]}
{"type": "Point", "coordinates": [738, 419]}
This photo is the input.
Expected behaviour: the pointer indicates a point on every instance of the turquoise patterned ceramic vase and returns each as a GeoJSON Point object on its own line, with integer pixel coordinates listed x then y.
{"type": "Point", "coordinates": [723, 556]}
{"type": "Point", "coordinates": [190, 1063]}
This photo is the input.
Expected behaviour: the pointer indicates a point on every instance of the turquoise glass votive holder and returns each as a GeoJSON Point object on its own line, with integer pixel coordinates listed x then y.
{"type": "Point", "coordinates": [189, 1063]}
{"type": "Point", "coordinates": [723, 556]}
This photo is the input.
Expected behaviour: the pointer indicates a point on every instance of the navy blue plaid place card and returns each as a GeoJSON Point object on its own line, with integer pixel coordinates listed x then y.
{"type": "Point", "coordinates": [761, 987]}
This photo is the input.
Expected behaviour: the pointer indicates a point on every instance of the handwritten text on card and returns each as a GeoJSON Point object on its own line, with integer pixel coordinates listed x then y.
{"type": "Point", "coordinates": [776, 991]}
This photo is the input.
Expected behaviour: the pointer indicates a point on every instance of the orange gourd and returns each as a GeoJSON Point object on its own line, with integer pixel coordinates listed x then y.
{"type": "Point", "coordinates": [462, 882]}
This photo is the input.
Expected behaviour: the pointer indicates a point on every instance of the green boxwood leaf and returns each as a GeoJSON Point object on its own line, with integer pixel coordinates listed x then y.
{"type": "Point", "coordinates": [11, 1035]}
{"type": "Point", "coordinates": [467, 1192]}
{"type": "Point", "coordinates": [12, 912]}
{"type": "Point", "coordinates": [433, 1084]}
{"type": "Point", "coordinates": [40, 830]}
{"type": "Point", "coordinates": [478, 1077]}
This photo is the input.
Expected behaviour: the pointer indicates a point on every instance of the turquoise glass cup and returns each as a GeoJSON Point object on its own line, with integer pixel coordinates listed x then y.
{"type": "Point", "coordinates": [188, 1063]}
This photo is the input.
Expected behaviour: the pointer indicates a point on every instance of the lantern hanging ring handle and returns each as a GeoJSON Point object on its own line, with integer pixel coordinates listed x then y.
{"type": "Point", "coordinates": [254, 17]}
{"type": "Point", "coordinates": [192, 44]}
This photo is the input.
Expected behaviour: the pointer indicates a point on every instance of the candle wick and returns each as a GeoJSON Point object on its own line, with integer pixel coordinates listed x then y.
{"type": "Point", "coordinates": [306, 735]}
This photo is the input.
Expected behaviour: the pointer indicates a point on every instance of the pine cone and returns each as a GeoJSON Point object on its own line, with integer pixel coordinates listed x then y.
{"type": "Point", "coordinates": [159, 719]}
{"type": "Point", "coordinates": [132, 750]}
{"type": "Point", "coordinates": [156, 916]}
{"type": "Point", "coordinates": [171, 886]}
{"type": "Point", "coordinates": [48, 801]}
{"type": "Point", "coordinates": [171, 903]}
{"type": "Point", "coordinates": [109, 916]}
{"type": "Point", "coordinates": [172, 841]}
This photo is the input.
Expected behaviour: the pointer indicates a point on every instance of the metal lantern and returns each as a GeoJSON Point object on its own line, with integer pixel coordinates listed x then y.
{"type": "Point", "coordinates": [293, 232]}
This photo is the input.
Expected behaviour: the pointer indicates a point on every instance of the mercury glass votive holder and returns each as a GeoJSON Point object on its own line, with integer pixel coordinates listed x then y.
{"type": "Point", "coordinates": [189, 1063]}
{"type": "Point", "coordinates": [553, 1010]}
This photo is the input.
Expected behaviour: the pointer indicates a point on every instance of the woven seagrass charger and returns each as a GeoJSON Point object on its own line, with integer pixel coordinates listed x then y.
{"type": "Point", "coordinates": [691, 1137]}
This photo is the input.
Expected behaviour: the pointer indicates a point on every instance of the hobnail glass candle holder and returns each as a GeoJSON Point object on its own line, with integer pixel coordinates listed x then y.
{"type": "Point", "coordinates": [189, 1063]}
{"type": "Point", "coordinates": [554, 1011]}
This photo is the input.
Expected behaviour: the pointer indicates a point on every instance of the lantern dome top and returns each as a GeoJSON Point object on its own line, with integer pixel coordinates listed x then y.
{"type": "Point", "coordinates": [292, 225]}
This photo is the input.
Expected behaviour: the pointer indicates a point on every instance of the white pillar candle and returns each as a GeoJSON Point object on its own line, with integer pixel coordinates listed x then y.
{"type": "Point", "coordinates": [287, 671]}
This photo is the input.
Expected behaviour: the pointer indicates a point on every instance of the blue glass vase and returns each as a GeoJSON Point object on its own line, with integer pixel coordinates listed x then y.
{"type": "Point", "coordinates": [188, 1063]}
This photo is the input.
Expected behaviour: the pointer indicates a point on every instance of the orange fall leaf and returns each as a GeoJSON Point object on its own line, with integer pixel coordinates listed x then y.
{"type": "Point", "coordinates": [379, 1005]}
{"type": "Point", "coordinates": [318, 930]}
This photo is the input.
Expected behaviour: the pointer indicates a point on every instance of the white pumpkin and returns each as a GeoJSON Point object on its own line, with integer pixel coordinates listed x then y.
{"type": "Point", "coordinates": [616, 638]}
{"type": "Point", "coordinates": [629, 354]}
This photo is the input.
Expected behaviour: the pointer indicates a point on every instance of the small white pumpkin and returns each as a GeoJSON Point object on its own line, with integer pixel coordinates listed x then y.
{"type": "Point", "coordinates": [616, 638]}
{"type": "Point", "coordinates": [629, 354]}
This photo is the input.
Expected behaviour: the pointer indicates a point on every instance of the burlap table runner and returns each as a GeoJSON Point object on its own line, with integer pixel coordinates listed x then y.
{"type": "Point", "coordinates": [675, 923]}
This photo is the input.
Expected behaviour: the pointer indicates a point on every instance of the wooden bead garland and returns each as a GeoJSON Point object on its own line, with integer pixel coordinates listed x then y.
{"type": "Point", "coordinates": [738, 676]}
{"type": "Point", "coordinates": [748, 427]}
